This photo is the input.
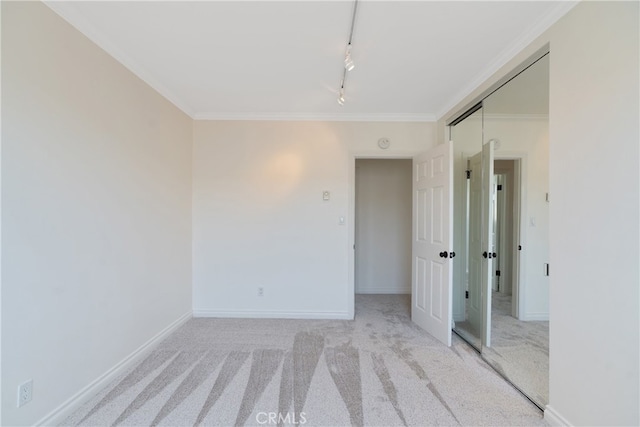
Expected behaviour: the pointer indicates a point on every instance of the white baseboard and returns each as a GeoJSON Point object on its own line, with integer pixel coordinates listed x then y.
{"type": "Point", "coordinates": [458, 317]}
{"type": "Point", "coordinates": [384, 291]}
{"type": "Point", "coordinates": [535, 317]}
{"type": "Point", "coordinates": [58, 415]}
{"type": "Point", "coordinates": [554, 418]}
{"type": "Point", "coordinates": [253, 314]}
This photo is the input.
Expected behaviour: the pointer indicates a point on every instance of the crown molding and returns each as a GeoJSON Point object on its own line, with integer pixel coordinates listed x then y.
{"type": "Point", "coordinates": [66, 11]}
{"type": "Point", "coordinates": [531, 117]}
{"type": "Point", "coordinates": [510, 52]}
{"type": "Point", "coordinates": [507, 117]}
{"type": "Point", "coordinates": [378, 117]}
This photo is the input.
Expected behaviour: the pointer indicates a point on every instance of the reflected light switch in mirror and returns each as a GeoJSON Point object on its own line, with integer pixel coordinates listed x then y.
{"type": "Point", "coordinates": [326, 195]}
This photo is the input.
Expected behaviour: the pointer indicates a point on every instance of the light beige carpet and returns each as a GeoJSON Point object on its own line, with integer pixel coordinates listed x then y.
{"type": "Point", "coordinates": [519, 350]}
{"type": "Point", "coordinates": [378, 370]}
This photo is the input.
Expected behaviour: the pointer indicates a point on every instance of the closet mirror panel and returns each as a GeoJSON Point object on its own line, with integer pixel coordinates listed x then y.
{"type": "Point", "coordinates": [515, 121]}
{"type": "Point", "coordinates": [467, 303]}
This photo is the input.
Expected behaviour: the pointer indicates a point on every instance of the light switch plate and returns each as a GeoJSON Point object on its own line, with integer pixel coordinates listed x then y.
{"type": "Point", "coordinates": [25, 392]}
{"type": "Point", "coordinates": [326, 195]}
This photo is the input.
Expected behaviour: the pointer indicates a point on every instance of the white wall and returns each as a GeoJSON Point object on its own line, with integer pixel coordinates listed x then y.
{"type": "Point", "coordinates": [594, 185]}
{"type": "Point", "coordinates": [96, 196]}
{"type": "Point", "coordinates": [259, 219]}
{"type": "Point", "coordinates": [0, 226]}
{"type": "Point", "coordinates": [595, 198]}
{"type": "Point", "coordinates": [383, 226]}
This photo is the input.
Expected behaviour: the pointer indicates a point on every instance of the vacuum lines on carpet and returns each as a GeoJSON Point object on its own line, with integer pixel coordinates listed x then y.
{"type": "Point", "coordinates": [379, 369]}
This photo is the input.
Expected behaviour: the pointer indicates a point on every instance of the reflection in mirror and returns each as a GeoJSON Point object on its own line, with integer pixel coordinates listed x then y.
{"type": "Point", "coordinates": [516, 118]}
{"type": "Point", "coordinates": [467, 296]}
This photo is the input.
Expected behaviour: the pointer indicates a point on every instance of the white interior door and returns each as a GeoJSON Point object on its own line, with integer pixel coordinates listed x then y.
{"type": "Point", "coordinates": [432, 240]}
{"type": "Point", "coordinates": [487, 238]}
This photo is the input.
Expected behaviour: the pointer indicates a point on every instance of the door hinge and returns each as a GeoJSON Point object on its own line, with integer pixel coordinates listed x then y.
{"type": "Point", "coordinates": [466, 294]}
{"type": "Point", "coordinates": [498, 273]}
{"type": "Point", "coordinates": [468, 172]}
{"type": "Point", "coordinates": [499, 187]}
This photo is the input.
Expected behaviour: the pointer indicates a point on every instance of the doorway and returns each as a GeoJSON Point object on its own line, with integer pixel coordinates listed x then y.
{"type": "Point", "coordinates": [429, 185]}
{"type": "Point", "coordinates": [383, 221]}
{"type": "Point", "coordinates": [506, 241]}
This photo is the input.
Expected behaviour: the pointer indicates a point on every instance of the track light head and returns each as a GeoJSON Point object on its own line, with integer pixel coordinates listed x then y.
{"type": "Point", "coordinates": [341, 97]}
{"type": "Point", "coordinates": [348, 62]}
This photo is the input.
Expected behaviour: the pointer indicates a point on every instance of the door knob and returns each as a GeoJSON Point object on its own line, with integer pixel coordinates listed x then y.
{"type": "Point", "coordinates": [484, 254]}
{"type": "Point", "coordinates": [443, 254]}
{"type": "Point", "coordinates": [494, 254]}
{"type": "Point", "coordinates": [452, 254]}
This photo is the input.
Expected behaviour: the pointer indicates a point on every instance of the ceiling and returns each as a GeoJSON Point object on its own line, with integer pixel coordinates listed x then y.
{"type": "Point", "coordinates": [284, 59]}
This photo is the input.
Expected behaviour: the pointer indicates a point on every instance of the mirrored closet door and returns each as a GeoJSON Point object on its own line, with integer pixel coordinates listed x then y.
{"type": "Point", "coordinates": [500, 279]}
{"type": "Point", "coordinates": [467, 293]}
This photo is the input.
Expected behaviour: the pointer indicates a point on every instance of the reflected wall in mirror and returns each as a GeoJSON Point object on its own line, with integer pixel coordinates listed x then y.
{"type": "Point", "coordinates": [516, 119]}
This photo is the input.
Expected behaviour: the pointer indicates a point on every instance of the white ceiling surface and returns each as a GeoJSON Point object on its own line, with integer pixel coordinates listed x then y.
{"type": "Point", "coordinates": [284, 60]}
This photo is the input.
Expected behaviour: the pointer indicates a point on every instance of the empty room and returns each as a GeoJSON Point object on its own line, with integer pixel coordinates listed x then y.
{"type": "Point", "coordinates": [351, 212]}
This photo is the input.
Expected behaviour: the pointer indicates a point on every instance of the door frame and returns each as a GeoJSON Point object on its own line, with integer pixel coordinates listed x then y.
{"type": "Point", "coordinates": [351, 215]}
{"type": "Point", "coordinates": [518, 294]}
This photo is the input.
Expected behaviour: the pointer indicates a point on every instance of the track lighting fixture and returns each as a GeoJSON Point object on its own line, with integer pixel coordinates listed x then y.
{"type": "Point", "coordinates": [341, 96]}
{"type": "Point", "coordinates": [348, 61]}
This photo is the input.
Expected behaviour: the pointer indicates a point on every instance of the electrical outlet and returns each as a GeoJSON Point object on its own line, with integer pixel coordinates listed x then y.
{"type": "Point", "coordinates": [25, 391]}
{"type": "Point", "coordinates": [261, 291]}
